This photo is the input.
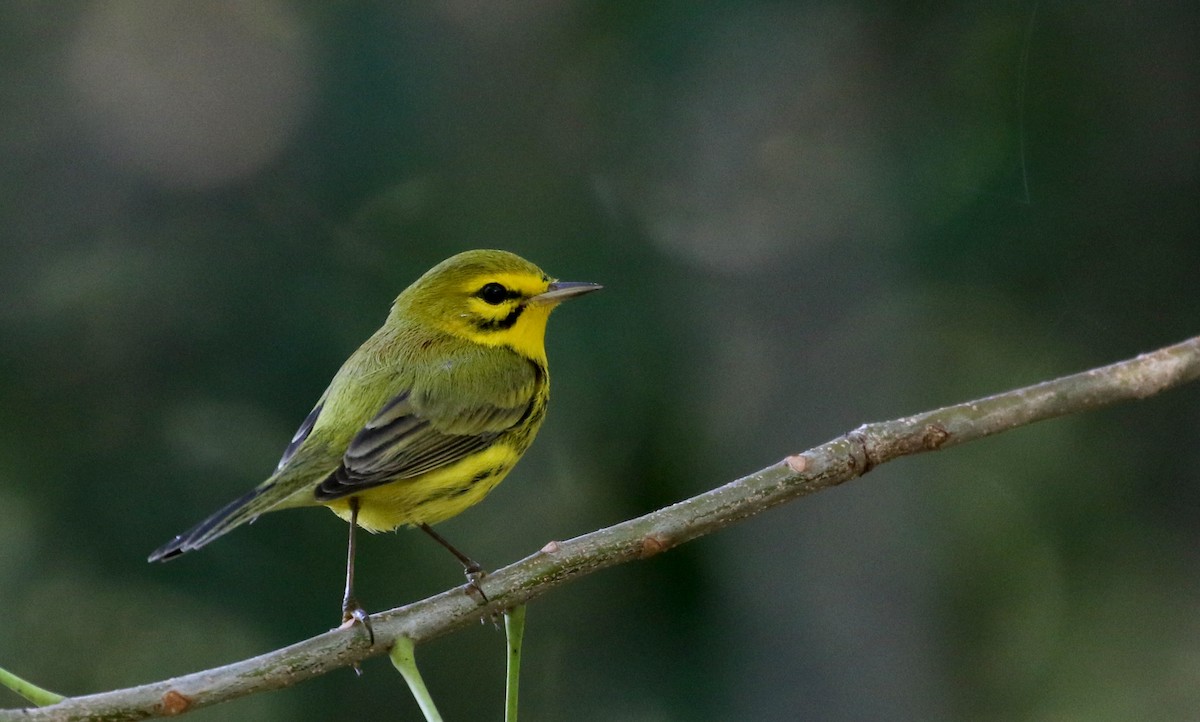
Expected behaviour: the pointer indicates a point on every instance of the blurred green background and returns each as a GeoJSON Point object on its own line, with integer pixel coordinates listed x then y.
{"type": "Point", "coordinates": [806, 216]}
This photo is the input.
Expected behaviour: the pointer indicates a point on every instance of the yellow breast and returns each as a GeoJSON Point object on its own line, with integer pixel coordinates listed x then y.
{"type": "Point", "coordinates": [431, 497]}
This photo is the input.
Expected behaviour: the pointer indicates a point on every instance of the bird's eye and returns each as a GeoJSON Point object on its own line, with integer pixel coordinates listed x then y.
{"type": "Point", "coordinates": [494, 293]}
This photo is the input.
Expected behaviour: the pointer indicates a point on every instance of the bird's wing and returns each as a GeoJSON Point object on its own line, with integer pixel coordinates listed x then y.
{"type": "Point", "coordinates": [438, 421]}
{"type": "Point", "coordinates": [302, 433]}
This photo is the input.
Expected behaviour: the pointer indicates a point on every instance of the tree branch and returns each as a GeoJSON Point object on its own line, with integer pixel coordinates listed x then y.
{"type": "Point", "coordinates": [829, 464]}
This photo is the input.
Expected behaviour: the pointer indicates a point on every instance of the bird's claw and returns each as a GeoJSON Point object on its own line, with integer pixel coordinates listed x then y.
{"type": "Point", "coordinates": [475, 575]}
{"type": "Point", "coordinates": [353, 613]}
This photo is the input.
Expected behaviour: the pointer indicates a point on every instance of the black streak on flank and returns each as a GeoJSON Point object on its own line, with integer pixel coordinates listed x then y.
{"type": "Point", "coordinates": [500, 324]}
{"type": "Point", "coordinates": [458, 491]}
{"type": "Point", "coordinates": [481, 476]}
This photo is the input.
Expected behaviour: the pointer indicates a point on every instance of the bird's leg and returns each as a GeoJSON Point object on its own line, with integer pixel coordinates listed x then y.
{"type": "Point", "coordinates": [471, 568]}
{"type": "Point", "coordinates": [352, 611]}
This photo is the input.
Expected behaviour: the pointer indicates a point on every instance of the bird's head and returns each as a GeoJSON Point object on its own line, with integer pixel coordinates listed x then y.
{"type": "Point", "coordinates": [495, 298]}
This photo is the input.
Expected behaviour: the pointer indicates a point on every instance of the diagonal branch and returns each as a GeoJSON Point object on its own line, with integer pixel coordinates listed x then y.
{"type": "Point", "coordinates": [829, 464]}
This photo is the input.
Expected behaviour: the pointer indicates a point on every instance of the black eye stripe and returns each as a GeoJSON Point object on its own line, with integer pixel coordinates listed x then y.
{"type": "Point", "coordinates": [496, 293]}
{"type": "Point", "coordinates": [499, 324]}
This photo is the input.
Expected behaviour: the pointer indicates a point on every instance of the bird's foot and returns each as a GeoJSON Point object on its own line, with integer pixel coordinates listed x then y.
{"type": "Point", "coordinates": [475, 575]}
{"type": "Point", "coordinates": [352, 614]}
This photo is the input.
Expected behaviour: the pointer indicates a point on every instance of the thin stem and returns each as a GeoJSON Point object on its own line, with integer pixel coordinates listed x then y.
{"type": "Point", "coordinates": [29, 690]}
{"type": "Point", "coordinates": [514, 632]}
{"type": "Point", "coordinates": [405, 661]}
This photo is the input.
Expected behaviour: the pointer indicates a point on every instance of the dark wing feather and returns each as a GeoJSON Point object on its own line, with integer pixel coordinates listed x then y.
{"type": "Point", "coordinates": [418, 431]}
{"type": "Point", "coordinates": [301, 434]}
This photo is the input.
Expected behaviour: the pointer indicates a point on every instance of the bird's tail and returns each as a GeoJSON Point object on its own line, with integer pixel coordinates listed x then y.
{"type": "Point", "coordinates": [240, 511]}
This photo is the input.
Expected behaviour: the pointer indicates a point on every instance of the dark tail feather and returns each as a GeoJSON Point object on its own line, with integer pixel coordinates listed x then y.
{"type": "Point", "coordinates": [234, 514]}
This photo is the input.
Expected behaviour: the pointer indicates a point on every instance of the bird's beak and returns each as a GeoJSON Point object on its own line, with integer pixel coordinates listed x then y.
{"type": "Point", "coordinates": [560, 291]}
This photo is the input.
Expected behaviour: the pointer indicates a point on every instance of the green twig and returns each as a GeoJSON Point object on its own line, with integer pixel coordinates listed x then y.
{"type": "Point", "coordinates": [514, 631]}
{"type": "Point", "coordinates": [405, 662]}
{"type": "Point", "coordinates": [28, 690]}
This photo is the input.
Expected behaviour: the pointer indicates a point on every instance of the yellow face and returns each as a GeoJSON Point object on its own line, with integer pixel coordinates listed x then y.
{"type": "Point", "coordinates": [500, 309]}
{"type": "Point", "coordinates": [493, 298]}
